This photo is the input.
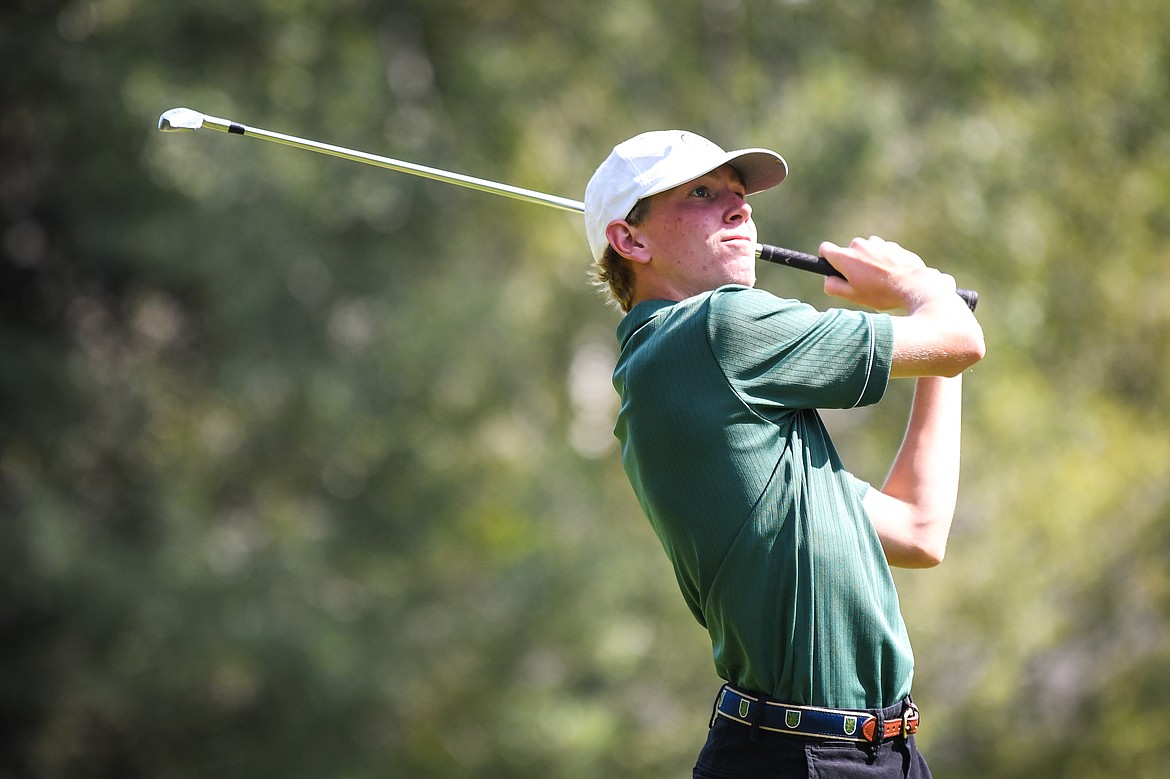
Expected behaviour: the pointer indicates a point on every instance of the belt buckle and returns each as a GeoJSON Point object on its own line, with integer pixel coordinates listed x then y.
{"type": "Point", "coordinates": [910, 710]}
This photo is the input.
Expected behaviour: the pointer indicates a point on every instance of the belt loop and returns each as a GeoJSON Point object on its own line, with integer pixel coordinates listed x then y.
{"type": "Point", "coordinates": [879, 732]}
{"type": "Point", "coordinates": [758, 717]}
{"type": "Point", "coordinates": [715, 706]}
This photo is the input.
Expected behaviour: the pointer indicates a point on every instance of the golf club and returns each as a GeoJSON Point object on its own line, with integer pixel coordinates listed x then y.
{"type": "Point", "coordinates": [186, 119]}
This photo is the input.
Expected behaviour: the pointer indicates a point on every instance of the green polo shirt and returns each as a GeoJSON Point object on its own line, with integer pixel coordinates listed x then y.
{"type": "Point", "coordinates": [773, 550]}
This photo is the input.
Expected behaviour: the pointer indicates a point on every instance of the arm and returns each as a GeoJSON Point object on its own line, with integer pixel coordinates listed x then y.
{"type": "Point", "coordinates": [913, 510]}
{"type": "Point", "coordinates": [938, 335]}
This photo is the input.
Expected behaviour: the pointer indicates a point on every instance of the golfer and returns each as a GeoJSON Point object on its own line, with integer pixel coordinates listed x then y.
{"type": "Point", "coordinates": [780, 553]}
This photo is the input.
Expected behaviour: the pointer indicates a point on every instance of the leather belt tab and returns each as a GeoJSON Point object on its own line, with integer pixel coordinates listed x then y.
{"type": "Point", "coordinates": [814, 721]}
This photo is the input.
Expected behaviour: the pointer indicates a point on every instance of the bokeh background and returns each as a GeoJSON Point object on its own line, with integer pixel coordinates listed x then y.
{"type": "Point", "coordinates": [306, 468]}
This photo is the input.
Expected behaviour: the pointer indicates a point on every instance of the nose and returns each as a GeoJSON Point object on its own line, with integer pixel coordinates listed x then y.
{"type": "Point", "coordinates": [740, 211]}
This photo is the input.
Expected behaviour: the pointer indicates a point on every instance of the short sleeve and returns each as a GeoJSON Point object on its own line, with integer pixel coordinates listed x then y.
{"type": "Point", "coordinates": [783, 354]}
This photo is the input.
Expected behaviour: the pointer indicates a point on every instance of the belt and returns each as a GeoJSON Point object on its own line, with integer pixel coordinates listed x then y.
{"type": "Point", "coordinates": [840, 724]}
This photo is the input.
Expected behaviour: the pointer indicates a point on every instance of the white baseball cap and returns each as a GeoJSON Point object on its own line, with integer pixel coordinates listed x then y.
{"type": "Point", "coordinates": [656, 161]}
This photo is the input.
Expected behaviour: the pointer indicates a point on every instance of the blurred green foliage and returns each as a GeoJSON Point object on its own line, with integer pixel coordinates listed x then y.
{"type": "Point", "coordinates": [306, 468]}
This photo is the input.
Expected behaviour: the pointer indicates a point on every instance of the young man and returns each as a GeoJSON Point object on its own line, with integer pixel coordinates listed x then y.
{"type": "Point", "coordinates": [781, 554]}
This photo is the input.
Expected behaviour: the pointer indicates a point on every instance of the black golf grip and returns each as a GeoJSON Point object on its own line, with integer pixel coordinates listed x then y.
{"type": "Point", "coordinates": [810, 262]}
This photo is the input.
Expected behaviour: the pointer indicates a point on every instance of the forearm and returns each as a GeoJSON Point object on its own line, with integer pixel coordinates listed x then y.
{"type": "Point", "coordinates": [914, 508]}
{"type": "Point", "coordinates": [941, 338]}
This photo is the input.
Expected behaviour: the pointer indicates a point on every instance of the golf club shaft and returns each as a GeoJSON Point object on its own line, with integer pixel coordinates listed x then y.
{"type": "Point", "coordinates": [471, 182]}
{"type": "Point", "coordinates": [181, 119]}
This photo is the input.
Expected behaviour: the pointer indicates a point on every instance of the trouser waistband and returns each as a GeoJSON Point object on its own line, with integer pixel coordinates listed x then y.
{"type": "Point", "coordinates": [758, 713]}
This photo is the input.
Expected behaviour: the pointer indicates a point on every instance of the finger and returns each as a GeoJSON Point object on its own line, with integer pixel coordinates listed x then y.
{"type": "Point", "coordinates": [837, 287]}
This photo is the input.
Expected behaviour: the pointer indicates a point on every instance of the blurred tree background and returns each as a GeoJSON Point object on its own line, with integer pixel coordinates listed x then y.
{"type": "Point", "coordinates": [306, 468]}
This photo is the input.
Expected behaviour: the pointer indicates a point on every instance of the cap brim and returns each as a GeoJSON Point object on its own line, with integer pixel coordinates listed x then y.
{"type": "Point", "coordinates": [760, 169]}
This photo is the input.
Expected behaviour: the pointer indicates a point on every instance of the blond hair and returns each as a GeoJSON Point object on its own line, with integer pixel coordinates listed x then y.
{"type": "Point", "coordinates": [613, 273]}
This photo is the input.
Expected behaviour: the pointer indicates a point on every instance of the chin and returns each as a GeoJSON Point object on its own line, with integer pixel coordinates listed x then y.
{"type": "Point", "coordinates": [743, 280]}
{"type": "Point", "coordinates": [747, 276]}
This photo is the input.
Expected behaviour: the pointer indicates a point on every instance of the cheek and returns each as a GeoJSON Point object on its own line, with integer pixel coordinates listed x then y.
{"type": "Point", "coordinates": [678, 229]}
{"type": "Point", "coordinates": [681, 236]}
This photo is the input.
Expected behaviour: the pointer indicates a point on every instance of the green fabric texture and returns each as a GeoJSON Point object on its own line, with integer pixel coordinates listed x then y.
{"type": "Point", "coordinates": [730, 460]}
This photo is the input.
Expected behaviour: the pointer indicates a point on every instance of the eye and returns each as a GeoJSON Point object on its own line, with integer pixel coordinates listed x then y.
{"type": "Point", "coordinates": [701, 191]}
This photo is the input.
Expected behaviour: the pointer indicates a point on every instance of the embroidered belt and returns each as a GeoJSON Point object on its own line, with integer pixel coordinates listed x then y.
{"type": "Point", "coordinates": [840, 724]}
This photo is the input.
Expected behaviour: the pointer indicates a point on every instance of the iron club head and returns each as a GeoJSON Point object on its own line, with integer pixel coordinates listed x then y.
{"type": "Point", "coordinates": [179, 120]}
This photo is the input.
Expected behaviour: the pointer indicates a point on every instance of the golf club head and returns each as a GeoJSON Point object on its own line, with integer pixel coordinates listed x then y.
{"type": "Point", "coordinates": [180, 120]}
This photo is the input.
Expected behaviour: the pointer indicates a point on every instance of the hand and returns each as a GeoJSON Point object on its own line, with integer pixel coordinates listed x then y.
{"type": "Point", "coordinates": [882, 275]}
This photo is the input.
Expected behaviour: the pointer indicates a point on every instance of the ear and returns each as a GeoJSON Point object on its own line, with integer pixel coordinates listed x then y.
{"type": "Point", "coordinates": [627, 241]}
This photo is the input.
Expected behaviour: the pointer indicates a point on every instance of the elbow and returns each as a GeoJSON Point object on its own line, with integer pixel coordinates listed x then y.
{"type": "Point", "coordinates": [969, 348]}
{"type": "Point", "coordinates": [928, 556]}
{"type": "Point", "coordinates": [930, 542]}
{"type": "Point", "coordinates": [976, 347]}
{"type": "Point", "coordinates": [913, 533]}
{"type": "Point", "coordinates": [918, 557]}
{"type": "Point", "coordinates": [924, 548]}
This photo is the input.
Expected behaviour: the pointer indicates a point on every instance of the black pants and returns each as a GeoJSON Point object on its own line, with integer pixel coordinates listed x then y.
{"type": "Point", "coordinates": [730, 753]}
